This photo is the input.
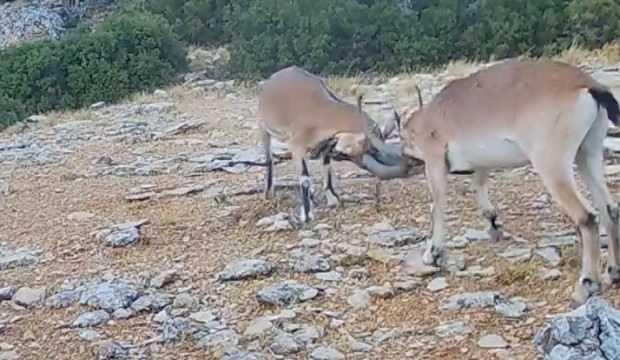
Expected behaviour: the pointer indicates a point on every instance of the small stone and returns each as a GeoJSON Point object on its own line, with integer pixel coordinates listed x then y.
{"type": "Point", "coordinates": [310, 243]}
{"type": "Point", "coordinates": [7, 293]}
{"type": "Point", "coordinates": [453, 328]}
{"type": "Point", "coordinates": [161, 317]}
{"type": "Point", "coordinates": [285, 344]}
{"type": "Point", "coordinates": [413, 265]}
{"type": "Point", "coordinates": [353, 255]}
{"type": "Point", "coordinates": [122, 237]}
{"type": "Point", "coordinates": [9, 355]}
{"type": "Point", "coordinates": [224, 339]}
{"type": "Point", "coordinates": [336, 323]}
{"type": "Point", "coordinates": [89, 335]}
{"type": "Point", "coordinates": [477, 271]}
{"type": "Point", "coordinates": [360, 299]}
{"type": "Point", "coordinates": [203, 317]}
{"type": "Point", "coordinates": [382, 335]}
{"type": "Point", "coordinates": [550, 255]}
{"type": "Point", "coordinates": [63, 299]}
{"type": "Point", "coordinates": [286, 293]}
{"type": "Point", "coordinates": [92, 319]}
{"type": "Point", "coordinates": [407, 285]}
{"type": "Point", "coordinates": [163, 279]}
{"type": "Point", "coordinates": [112, 350]}
{"type": "Point", "coordinates": [454, 262]}
{"type": "Point", "coordinates": [459, 242]}
{"type": "Point", "coordinates": [185, 301]}
{"type": "Point", "coordinates": [331, 276]}
{"type": "Point", "coordinates": [550, 275]}
{"type": "Point", "coordinates": [326, 353]}
{"type": "Point", "coordinates": [395, 238]}
{"type": "Point", "coordinates": [245, 269]}
{"type": "Point", "coordinates": [384, 256]}
{"type": "Point", "coordinates": [150, 303]}
{"type": "Point", "coordinates": [358, 346]}
{"type": "Point", "coordinates": [382, 292]}
{"type": "Point", "coordinates": [257, 328]}
{"type": "Point", "coordinates": [511, 309]}
{"type": "Point", "coordinates": [492, 342]}
{"type": "Point", "coordinates": [515, 255]}
{"type": "Point", "coordinates": [109, 296]}
{"type": "Point", "coordinates": [477, 235]}
{"type": "Point", "coordinates": [311, 264]}
{"type": "Point", "coordinates": [29, 296]}
{"type": "Point", "coordinates": [476, 300]}
{"type": "Point", "coordinates": [123, 314]}
{"type": "Point", "coordinates": [80, 216]}
{"type": "Point", "coordinates": [15, 259]}
{"type": "Point", "coordinates": [437, 284]}
{"type": "Point", "coordinates": [276, 223]}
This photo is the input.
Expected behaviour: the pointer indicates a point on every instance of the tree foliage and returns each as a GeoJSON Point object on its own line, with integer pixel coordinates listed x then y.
{"type": "Point", "coordinates": [386, 35]}
{"type": "Point", "coordinates": [127, 53]}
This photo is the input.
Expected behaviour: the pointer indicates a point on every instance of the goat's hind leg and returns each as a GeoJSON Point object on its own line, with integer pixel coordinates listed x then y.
{"type": "Point", "coordinates": [480, 184]}
{"type": "Point", "coordinates": [591, 168]}
{"type": "Point", "coordinates": [269, 189]}
{"type": "Point", "coordinates": [559, 179]}
{"type": "Point", "coordinates": [333, 200]}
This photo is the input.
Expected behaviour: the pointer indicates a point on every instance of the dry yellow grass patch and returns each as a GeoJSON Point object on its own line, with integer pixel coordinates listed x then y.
{"type": "Point", "coordinates": [608, 54]}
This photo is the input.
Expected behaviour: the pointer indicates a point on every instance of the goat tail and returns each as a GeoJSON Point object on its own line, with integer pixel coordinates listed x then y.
{"type": "Point", "coordinates": [606, 99]}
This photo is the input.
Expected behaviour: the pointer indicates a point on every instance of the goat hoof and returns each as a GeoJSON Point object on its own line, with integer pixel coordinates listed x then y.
{"type": "Point", "coordinates": [432, 256]}
{"type": "Point", "coordinates": [333, 201]}
{"type": "Point", "coordinates": [496, 235]}
{"type": "Point", "coordinates": [584, 290]}
{"type": "Point", "coordinates": [613, 274]}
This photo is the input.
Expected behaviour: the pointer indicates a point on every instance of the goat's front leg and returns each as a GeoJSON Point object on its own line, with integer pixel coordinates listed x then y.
{"type": "Point", "coordinates": [305, 187]}
{"type": "Point", "coordinates": [333, 200]}
{"type": "Point", "coordinates": [480, 184]}
{"type": "Point", "coordinates": [436, 174]}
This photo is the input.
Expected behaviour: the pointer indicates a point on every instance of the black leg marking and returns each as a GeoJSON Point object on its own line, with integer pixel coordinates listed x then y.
{"type": "Point", "coordinates": [493, 221]}
{"type": "Point", "coordinates": [329, 185]}
{"type": "Point", "coordinates": [269, 175]}
{"type": "Point", "coordinates": [305, 189]}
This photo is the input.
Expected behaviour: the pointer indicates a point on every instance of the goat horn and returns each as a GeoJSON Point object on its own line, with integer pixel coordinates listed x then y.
{"type": "Point", "coordinates": [420, 102]}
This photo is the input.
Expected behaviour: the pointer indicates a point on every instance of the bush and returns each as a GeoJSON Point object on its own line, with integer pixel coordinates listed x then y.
{"type": "Point", "coordinates": [127, 53]}
{"type": "Point", "coordinates": [386, 35]}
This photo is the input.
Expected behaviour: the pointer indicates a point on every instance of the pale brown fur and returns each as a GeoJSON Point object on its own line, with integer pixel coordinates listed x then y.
{"type": "Point", "coordinates": [540, 112]}
{"type": "Point", "coordinates": [297, 108]}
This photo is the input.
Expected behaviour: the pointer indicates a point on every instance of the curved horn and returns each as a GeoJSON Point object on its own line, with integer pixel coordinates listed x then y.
{"type": "Point", "coordinates": [420, 102]}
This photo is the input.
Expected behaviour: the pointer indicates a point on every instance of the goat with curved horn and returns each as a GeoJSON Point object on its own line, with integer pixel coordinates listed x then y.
{"type": "Point", "coordinates": [297, 108]}
{"type": "Point", "coordinates": [544, 113]}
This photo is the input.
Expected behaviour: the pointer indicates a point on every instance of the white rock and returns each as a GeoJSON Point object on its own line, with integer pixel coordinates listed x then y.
{"type": "Point", "coordinates": [29, 296]}
{"type": "Point", "coordinates": [437, 284]}
{"type": "Point", "coordinates": [492, 342]}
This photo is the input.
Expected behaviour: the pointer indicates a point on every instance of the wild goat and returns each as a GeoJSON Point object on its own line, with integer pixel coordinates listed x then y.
{"type": "Point", "coordinates": [298, 109]}
{"type": "Point", "coordinates": [545, 113]}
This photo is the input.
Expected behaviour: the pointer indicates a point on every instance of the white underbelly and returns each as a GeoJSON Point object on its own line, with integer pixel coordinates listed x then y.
{"type": "Point", "coordinates": [485, 154]}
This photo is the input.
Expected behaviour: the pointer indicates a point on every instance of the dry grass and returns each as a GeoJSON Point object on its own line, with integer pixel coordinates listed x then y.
{"type": "Point", "coordinates": [576, 55]}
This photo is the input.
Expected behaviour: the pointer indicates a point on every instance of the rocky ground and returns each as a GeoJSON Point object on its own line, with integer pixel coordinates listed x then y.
{"type": "Point", "coordinates": [139, 231]}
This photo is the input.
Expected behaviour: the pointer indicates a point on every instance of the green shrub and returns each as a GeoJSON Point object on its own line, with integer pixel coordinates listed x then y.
{"type": "Point", "coordinates": [594, 23]}
{"type": "Point", "coordinates": [127, 53]}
